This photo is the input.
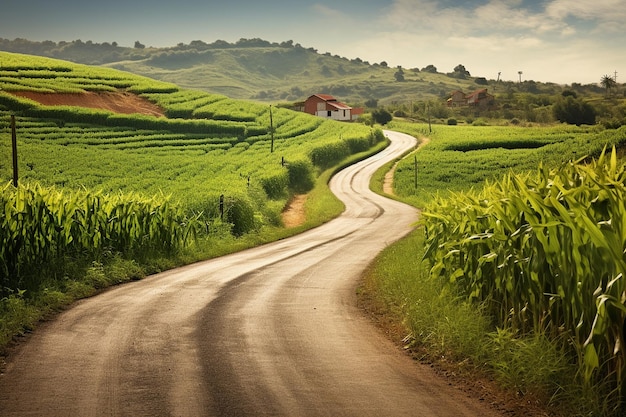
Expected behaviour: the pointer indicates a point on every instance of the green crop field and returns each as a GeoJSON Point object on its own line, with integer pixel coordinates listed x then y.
{"type": "Point", "coordinates": [462, 157]}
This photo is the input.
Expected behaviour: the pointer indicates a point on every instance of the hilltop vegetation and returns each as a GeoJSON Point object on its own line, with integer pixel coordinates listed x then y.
{"type": "Point", "coordinates": [260, 70]}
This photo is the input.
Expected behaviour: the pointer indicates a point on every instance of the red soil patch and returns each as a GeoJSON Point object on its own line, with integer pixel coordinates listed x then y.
{"type": "Point", "coordinates": [118, 102]}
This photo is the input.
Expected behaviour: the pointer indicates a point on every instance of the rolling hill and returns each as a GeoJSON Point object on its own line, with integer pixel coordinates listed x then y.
{"type": "Point", "coordinates": [258, 70]}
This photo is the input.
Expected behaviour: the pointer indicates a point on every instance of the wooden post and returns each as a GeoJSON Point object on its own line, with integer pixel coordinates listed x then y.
{"type": "Point", "coordinates": [14, 145]}
{"type": "Point", "coordinates": [222, 206]}
{"type": "Point", "coordinates": [416, 172]}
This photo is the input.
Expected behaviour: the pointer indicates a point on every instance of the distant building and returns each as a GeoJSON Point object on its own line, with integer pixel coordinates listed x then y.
{"type": "Point", "coordinates": [479, 98]}
{"type": "Point", "coordinates": [328, 107]}
{"type": "Point", "coordinates": [457, 99]}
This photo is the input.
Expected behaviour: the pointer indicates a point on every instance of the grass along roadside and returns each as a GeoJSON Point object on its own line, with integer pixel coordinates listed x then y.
{"type": "Point", "coordinates": [519, 377]}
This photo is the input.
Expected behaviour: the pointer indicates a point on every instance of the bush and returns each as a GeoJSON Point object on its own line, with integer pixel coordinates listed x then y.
{"type": "Point", "coordinates": [574, 111]}
{"type": "Point", "coordinates": [399, 113]}
{"type": "Point", "coordinates": [238, 211]}
{"type": "Point", "coordinates": [480, 122]}
{"type": "Point", "coordinates": [382, 116]}
{"type": "Point", "coordinates": [329, 154]}
{"type": "Point", "coordinates": [275, 184]}
{"type": "Point", "coordinates": [301, 178]}
{"type": "Point", "coordinates": [452, 122]}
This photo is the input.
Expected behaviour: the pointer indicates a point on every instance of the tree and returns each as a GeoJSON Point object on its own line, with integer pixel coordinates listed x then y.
{"type": "Point", "coordinates": [607, 82]}
{"type": "Point", "coordinates": [574, 111]}
{"type": "Point", "coordinates": [382, 116]}
{"type": "Point", "coordinates": [430, 68]}
{"type": "Point", "coordinates": [460, 72]}
{"type": "Point", "coordinates": [139, 45]}
{"type": "Point", "coordinates": [383, 64]}
{"type": "Point", "coordinates": [371, 103]}
{"type": "Point", "coordinates": [399, 74]}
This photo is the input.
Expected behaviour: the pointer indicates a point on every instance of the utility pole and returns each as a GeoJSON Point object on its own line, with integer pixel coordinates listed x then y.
{"type": "Point", "coordinates": [520, 76]}
{"type": "Point", "coordinates": [14, 145]}
{"type": "Point", "coordinates": [271, 130]}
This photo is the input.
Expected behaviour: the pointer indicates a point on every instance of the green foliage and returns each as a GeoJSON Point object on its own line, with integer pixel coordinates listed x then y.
{"type": "Point", "coordinates": [574, 111]}
{"type": "Point", "coordinates": [240, 213]}
{"type": "Point", "coordinates": [40, 226]}
{"type": "Point", "coordinates": [301, 175]}
{"type": "Point", "coordinates": [544, 254]}
{"type": "Point", "coordinates": [382, 116]}
{"type": "Point", "coordinates": [207, 146]}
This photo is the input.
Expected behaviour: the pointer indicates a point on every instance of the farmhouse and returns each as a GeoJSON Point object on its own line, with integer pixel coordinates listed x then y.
{"type": "Point", "coordinates": [479, 98]}
{"type": "Point", "coordinates": [327, 106]}
{"type": "Point", "coordinates": [457, 99]}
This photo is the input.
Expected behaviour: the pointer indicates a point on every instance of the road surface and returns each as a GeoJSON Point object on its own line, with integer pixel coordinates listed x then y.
{"type": "Point", "coordinates": [271, 331]}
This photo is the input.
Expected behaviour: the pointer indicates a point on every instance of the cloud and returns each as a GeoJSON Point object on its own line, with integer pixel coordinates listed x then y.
{"type": "Point", "coordinates": [326, 11]}
{"type": "Point", "coordinates": [487, 17]}
{"type": "Point", "coordinates": [603, 11]}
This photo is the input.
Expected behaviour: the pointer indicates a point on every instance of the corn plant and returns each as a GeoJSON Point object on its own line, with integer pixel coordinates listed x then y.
{"type": "Point", "coordinates": [546, 254]}
{"type": "Point", "coordinates": [39, 224]}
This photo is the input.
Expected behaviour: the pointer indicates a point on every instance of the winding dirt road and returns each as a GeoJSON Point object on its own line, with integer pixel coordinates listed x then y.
{"type": "Point", "coordinates": [272, 331]}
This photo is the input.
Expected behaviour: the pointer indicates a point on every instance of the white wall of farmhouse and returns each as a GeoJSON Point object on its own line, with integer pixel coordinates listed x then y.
{"type": "Point", "coordinates": [335, 114]}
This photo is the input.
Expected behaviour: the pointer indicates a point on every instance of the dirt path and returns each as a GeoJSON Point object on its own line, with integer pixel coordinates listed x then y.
{"type": "Point", "coordinates": [294, 214]}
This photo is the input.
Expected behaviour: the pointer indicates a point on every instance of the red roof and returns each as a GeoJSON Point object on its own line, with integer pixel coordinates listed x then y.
{"type": "Point", "coordinates": [339, 106]}
{"type": "Point", "coordinates": [326, 97]}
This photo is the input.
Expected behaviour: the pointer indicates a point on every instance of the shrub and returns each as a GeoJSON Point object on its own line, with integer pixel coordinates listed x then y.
{"type": "Point", "coordinates": [301, 178]}
{"type": "Point", "coordinates": [239, 212]}
{"type": "Point", "coordinates": [574, 111]}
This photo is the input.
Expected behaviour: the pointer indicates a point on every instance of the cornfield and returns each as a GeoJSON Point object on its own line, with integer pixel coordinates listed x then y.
{"type": "Point", "coordinates": [39, 225]}
{"type": "Point", "coordinates": [545, 253]}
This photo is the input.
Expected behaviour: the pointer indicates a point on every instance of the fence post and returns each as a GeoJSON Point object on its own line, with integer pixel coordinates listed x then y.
{"type": "Point", "coordinates": [222, 206]}
{"type": "Point", "coordinates": [416, 172]}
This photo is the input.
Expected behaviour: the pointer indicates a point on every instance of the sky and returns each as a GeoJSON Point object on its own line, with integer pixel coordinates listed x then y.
{"type": "Point", "coordinates": [561, 41]}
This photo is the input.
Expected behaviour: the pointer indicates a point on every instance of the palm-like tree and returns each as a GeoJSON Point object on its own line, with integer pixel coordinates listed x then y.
{"type": "Point", "coordinates": [607, 82]}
